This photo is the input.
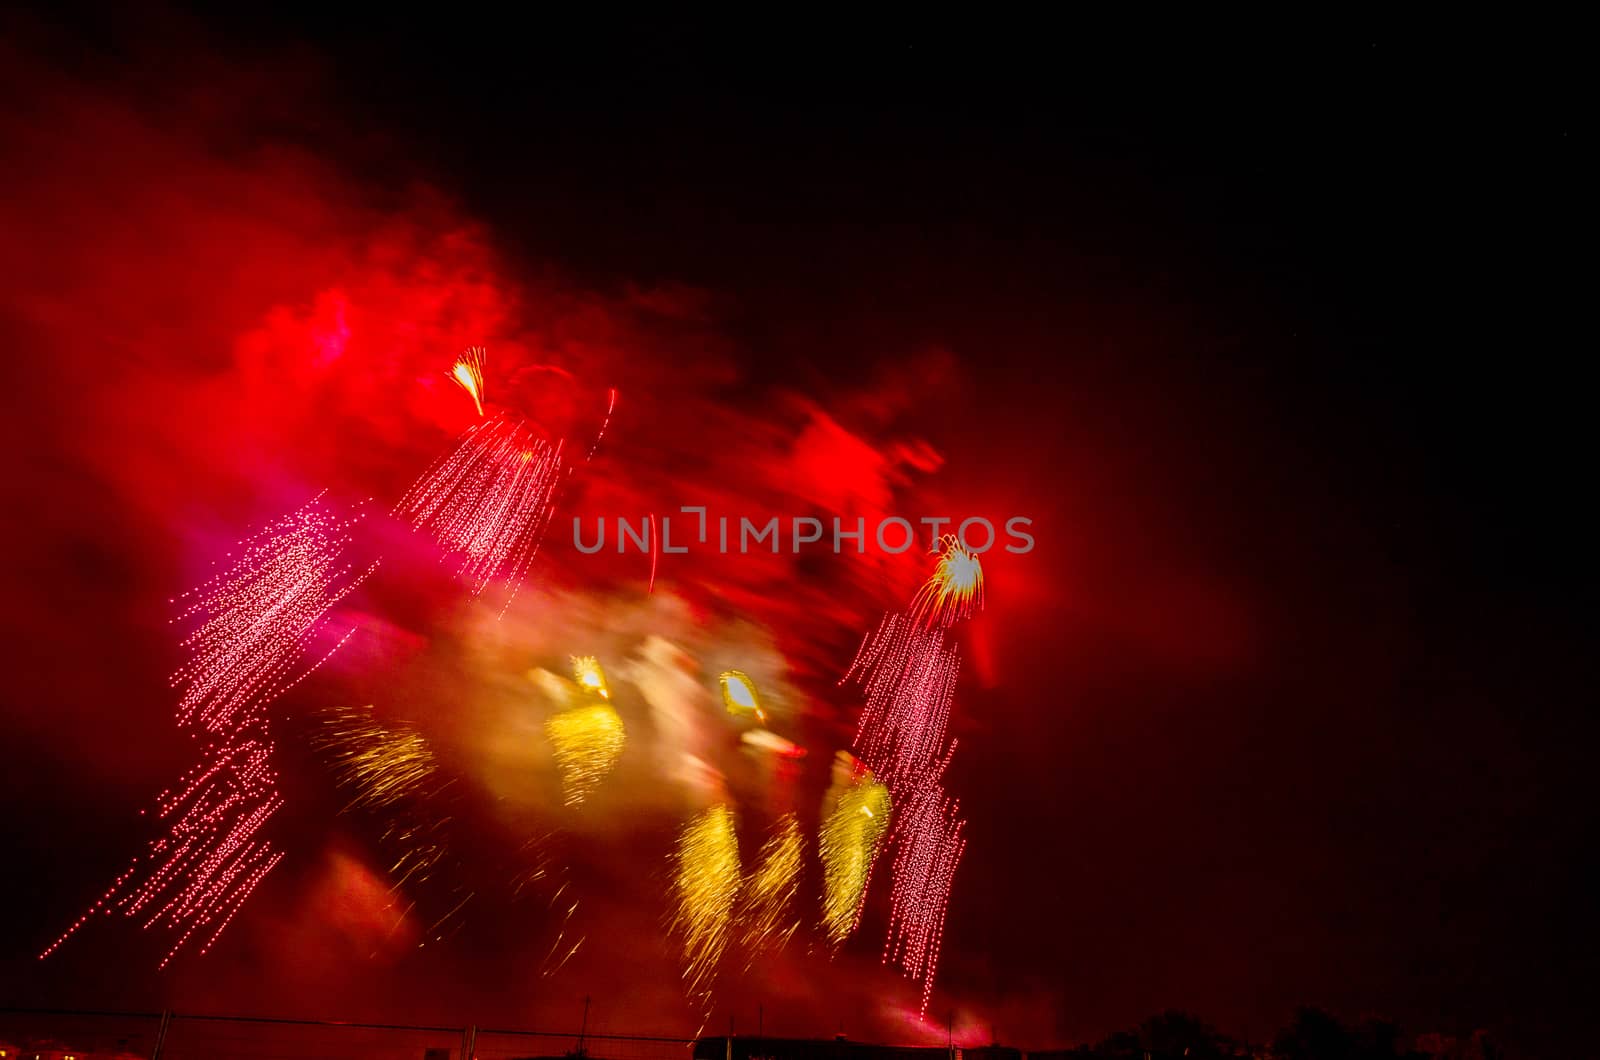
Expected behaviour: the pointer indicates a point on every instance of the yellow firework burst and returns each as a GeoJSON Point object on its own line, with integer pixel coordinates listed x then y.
{"type": "Point", "coordinates": [705, 884]}
{"type": "Point", "coordinates": [767, 909]}
{"type": "Point", "coordinates": [587, 742]}
{"type": "Point", "coordinates": [852, 833]}
{"type": "Point", "coordinates": [467, 373]}
{"type": "Point", "coordinates": [954, 590]}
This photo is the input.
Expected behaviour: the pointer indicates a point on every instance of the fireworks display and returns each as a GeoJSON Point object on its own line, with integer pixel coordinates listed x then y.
{"type": "Point", "coordinates": [467, 374]}
{"type": "Point", "coordinates": [954, 590]}
{"type": "Point", "coordinates": [705, 885]}
{"type": "Point", "coordinates": [852, 833]}
{"type": "Point", "coordinates": [767, 908]}
{"type": "Point", "coordinates": [490, 499]}
{"type": "Point", "coordinates": [257, 621]}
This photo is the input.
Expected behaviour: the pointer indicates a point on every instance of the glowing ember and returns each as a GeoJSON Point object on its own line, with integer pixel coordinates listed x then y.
{"type": "Point", "coordinates": [705, 884]}
{"type": "Point", "coordinates": [955, 589]}
{"type": "Point", "coordinates": [489, 498]}
{"type": "Point", "coordinates": [467, 373]}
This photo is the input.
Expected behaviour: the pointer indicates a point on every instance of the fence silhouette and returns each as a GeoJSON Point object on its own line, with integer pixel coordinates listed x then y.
{"type": "Point", "coordinates": [56, 1034]}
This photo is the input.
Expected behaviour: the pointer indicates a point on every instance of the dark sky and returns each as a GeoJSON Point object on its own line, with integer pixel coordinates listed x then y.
{"type": "Point", "coordinates": [1275, 334]}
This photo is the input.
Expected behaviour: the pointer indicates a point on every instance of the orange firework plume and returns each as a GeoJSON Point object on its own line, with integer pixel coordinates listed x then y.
{"type": "Point", "coordinates": [954, 590]}
{"type": "Point", "coordinates": [467, 373]}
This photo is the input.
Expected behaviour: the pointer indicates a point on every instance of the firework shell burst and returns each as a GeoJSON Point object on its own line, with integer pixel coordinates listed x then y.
{"type": "Point", "coordinates": [929, 839]}
{"type": "Point", "coordinates": [954, 590]}
{"type": "Point", "coordinates": [908, 673]}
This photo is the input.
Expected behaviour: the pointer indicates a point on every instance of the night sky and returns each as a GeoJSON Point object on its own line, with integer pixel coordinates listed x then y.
{"type": "Point", "coordinates": [1277, 342]}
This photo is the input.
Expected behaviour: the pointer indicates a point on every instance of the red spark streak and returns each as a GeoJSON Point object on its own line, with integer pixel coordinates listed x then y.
{"type": "Point", "coordinates": [611, 406]}
{"type": "Point", "coordinates": [655, 555]}
{"type": "Point", "coordinates": [489, 498]}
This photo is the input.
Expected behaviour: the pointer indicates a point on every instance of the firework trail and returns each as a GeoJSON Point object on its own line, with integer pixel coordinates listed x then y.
{"type": "Point", "coordinates": [770, 893]}
{"type": "Point", "coordinates": [852, 833]}
{"type": "Point", "coordinates": [705, 884]}
{"type": "Point", "coordinates": [490, 499]}
{"type": "Point", "coordinates": [259, 617]}
{"type": "Point", "coordinates": [257, 621]}
{"type": "Point", "coordinates": [611, 406]}
{"type": "Point", "coordinates": [954, 590]}
{"type": "Point", "coordinates": [909, 675]}
{"type": "Point", "coordinates": [929, 841]}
